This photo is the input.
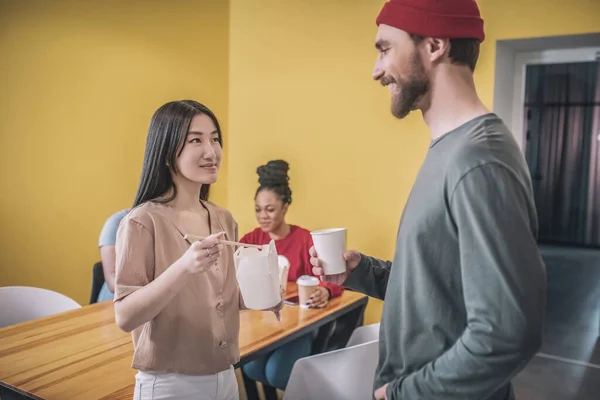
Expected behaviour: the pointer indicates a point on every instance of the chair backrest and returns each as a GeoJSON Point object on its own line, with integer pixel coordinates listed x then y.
{"type": "Point", "coordinates": [338, 375]}
{"type": "Point", "coordinates": [23, 303]}
{"type": "Point", "coordinates": [97, 281]}
{"type": "Point", "coordinates": [364, 334]}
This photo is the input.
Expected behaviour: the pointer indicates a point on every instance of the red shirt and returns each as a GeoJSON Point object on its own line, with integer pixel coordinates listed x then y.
{"type": "Point", "coordinates": [295, 248]}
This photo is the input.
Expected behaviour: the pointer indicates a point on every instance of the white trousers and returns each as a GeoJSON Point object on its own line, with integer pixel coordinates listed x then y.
{"type": "Point", "coordinates": [159, 386]}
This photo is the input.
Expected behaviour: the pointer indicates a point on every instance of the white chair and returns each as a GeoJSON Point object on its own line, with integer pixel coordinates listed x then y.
{"type": "Point", "coordinates": [23, 303]}
{"type": "Point", "coordinates": [364, 334]}
{"type": "Point", "coordinates": [342, 374]}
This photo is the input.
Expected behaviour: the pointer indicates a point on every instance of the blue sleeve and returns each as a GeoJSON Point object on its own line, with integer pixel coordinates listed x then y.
{"type": "Point", "coordinates": [108, 235]}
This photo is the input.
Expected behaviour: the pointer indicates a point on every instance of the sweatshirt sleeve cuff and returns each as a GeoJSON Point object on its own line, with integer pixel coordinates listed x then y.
{"type": "Point", "coordinates": [357, 276]}
{"type": "Point", "coordinates": [334, 290]}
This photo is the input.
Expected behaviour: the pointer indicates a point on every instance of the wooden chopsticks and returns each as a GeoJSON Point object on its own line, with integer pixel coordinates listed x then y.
{"type": "Point", "coordinates": [194, 238]}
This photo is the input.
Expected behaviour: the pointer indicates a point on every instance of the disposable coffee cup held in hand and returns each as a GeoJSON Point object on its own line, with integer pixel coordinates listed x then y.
{"type": "Point", "coordinates": [306, 287]}
{"type": "Point", "coordinates": [257, 273]}
{"type": "Point", "coordinates": [330, 245]}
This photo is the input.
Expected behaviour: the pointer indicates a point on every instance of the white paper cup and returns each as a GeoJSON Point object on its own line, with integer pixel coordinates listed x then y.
{"type": "Point", "coordinates": [306, 287]}
{"type": "Point", "coordinates": [330, 245]}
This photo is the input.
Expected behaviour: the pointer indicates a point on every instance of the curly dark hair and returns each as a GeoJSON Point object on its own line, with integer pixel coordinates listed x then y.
{"type": "Point", "coordinates": [274, 177]}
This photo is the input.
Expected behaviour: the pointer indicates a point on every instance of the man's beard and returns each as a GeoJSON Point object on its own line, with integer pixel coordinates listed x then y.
{"type": "Point", "coordinates": [410, 90]}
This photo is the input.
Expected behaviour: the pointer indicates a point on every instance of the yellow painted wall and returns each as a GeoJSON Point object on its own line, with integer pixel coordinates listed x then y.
{"type": "Point", "coordinates": [79, 81]}
{"type": "Point", "coordinates": [300, 89]}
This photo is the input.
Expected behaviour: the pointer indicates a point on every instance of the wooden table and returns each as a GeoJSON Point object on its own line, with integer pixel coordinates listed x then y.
{"type": "Point", "coordinates": [82, 354]}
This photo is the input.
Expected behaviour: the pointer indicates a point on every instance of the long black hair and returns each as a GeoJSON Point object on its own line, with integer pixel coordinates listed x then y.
{"type": "Point", "coordinates": [168, 129]}
{"type": "Point", "coordinates": [274, 177]}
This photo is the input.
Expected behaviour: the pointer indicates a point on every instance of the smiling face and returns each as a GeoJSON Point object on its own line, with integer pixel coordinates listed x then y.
{"type": "Point", "coordinates": [400, 68]}
{"type": "Point", "coordinates": [270, 210]}
{"type": "Point", "coordinates": [200, 157]}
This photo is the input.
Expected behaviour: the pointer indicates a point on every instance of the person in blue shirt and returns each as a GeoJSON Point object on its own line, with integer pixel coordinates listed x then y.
{"type": "Point", "coordinates": [108, 237]}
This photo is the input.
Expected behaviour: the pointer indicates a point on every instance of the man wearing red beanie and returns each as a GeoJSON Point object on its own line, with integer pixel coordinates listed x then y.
{"type": "Point", "coordinates": [465, 293]}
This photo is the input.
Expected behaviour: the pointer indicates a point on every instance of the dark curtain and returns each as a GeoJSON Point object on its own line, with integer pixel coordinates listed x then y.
{"type": "Point", "coordinates": [562, 108]}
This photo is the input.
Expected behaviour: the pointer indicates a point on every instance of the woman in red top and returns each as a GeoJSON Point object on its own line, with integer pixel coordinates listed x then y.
{"type": "Point", "coordinates": [273, 199]}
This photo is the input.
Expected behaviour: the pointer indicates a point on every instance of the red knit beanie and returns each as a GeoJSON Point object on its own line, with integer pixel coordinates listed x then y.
{"type": "Point", "coordinates": [452, 19]}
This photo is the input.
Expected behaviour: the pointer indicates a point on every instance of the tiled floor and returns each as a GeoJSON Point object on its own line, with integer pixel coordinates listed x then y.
{"type": "Point", "coordinates": [572, 329]}
{"type": "Point", "coordinates": [545, 379]}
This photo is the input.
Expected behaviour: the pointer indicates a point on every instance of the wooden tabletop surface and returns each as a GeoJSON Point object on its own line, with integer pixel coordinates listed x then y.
{"type": "Point", "coordinates": [82, 354]}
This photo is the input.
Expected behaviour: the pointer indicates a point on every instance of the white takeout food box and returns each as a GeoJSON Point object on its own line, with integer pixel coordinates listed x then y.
{"type": "Point", "coordinates": [257, 272]}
